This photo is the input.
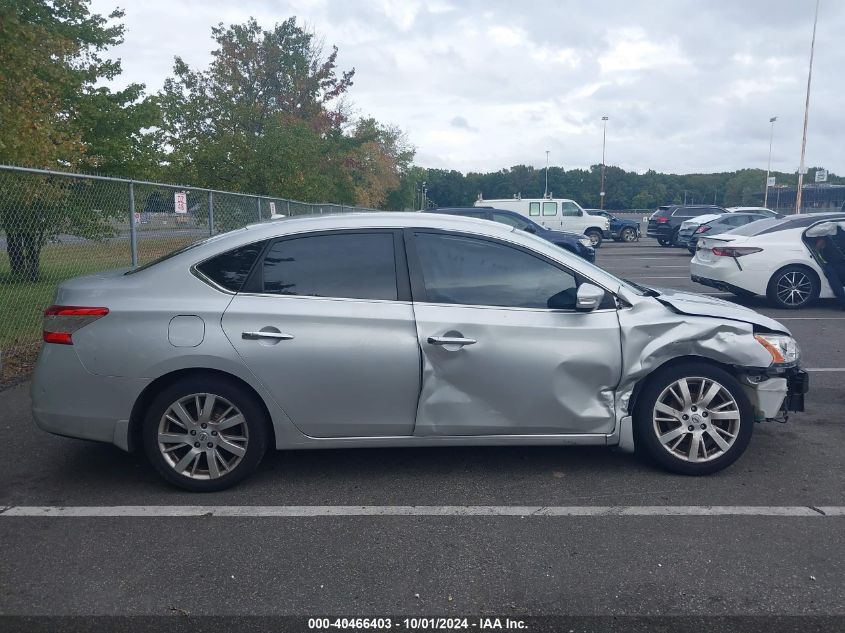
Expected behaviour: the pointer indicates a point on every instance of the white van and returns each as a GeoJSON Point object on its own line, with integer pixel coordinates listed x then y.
{"type": "Point", "coordinates": [559, 214]}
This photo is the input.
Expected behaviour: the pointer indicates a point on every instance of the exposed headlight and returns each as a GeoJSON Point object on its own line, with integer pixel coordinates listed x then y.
{"type": "Point", "coordinates": [783, 348]}
{"type": "Point", "coordinates": [585, 241]}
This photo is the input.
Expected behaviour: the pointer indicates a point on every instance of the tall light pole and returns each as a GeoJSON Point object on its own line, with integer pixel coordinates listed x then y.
{"type": "Point", "coordinates": [603, 140]}
{"type": "Point", "coordinates": [769, 168]}
{"type": "Point", "coordinates": [806, 115]}
{"type": "Point", "coordinates": [546, 190]}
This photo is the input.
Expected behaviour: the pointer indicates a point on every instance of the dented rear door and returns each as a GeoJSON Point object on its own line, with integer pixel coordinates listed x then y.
{"type": "Point", "coordinates": [520, 367]}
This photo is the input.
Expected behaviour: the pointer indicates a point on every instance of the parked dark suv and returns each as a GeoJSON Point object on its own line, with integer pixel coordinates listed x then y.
{"type": "Point", "coordinates": [578, 244]}
{"type": "Point", "coordinates": [665, 223]}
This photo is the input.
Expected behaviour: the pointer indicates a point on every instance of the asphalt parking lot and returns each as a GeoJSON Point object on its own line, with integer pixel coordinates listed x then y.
{"type": "Point", "coordinates": [787, 559]}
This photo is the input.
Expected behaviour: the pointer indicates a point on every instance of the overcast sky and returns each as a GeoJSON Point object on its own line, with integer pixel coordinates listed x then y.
{"type": "Point", "coordinates": [478, 85]}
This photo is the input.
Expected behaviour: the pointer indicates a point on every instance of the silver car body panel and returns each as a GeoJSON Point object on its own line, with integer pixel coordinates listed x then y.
{"type": "Point", "coordinates": [533, 377]}
{"type": "Point", "coordinates": [529, 371]}
{"type": "Point", "coordinates": [351, 367]}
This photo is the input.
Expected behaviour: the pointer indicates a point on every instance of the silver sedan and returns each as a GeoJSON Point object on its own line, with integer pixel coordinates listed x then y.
{"type": "Point", "coordinates": [400, 329]}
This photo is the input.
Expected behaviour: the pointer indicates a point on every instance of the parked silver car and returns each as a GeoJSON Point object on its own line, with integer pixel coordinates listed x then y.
{"type": "Point", "coordinates": [400, 330]}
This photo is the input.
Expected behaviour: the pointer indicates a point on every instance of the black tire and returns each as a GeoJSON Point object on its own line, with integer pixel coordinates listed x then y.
{"type": "Point", "coordinates": [806, 280]}
{"type": "Point", "coordinates": [595, 236]}
{"type": "Point", "coordinates": [663, 241]}
{"type": "Point", "coordinates": [646, 434]}
{"type": "Point", "coordinates": [255, 424]}
{"type": "Point", "coordinates": [628, 234]}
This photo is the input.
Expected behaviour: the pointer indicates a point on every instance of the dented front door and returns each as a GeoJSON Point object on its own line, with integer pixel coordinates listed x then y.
{"type": "Point", "coordinates": [508, 369]}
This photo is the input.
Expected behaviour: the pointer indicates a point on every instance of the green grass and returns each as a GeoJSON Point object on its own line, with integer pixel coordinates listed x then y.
{"type": "Point", "coordinates": [22, 304]}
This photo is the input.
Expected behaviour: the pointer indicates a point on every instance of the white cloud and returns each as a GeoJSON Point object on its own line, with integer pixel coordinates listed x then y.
{"type": "Point", "coordinates": [688, 87]}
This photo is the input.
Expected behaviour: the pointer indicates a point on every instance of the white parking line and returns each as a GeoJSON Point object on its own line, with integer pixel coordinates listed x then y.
{"type": "Point", "coordinates": [824, 369]}
{"type": "Point", "coordinates": [638, 276]}
{"type": "Point", "coordinates": [809, 318]}
{"type": "Point", "coordinates": [425, 511]}
{"type": "Point", "coordinates": [650, 267]}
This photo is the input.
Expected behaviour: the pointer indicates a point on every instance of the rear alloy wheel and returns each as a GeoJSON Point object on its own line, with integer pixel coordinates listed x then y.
{"type": "Point", "coordinates": [693, 419]}
{"type": "Point", "coordinates": [628, 234]}
{"type": "Point", "coordinates": [595, 237]}
{"type": "Point", "coordinates": [793, 287]}
{"type": "Point", "coordinates": [204, 434]}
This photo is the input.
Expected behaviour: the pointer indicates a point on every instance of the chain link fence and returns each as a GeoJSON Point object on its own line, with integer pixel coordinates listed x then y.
{"type": "Point", "coordinates": [56, 225]}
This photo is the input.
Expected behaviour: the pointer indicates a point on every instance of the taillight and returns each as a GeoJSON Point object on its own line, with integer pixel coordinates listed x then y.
{"type": "Point", "coordinates": [60, 322]}
{"type": "Point", "coordinates": [661, 220]}
{"type": "Point", "coordinates": [702, 229]}
{"type": "Point", "coordinates": [734, 251]}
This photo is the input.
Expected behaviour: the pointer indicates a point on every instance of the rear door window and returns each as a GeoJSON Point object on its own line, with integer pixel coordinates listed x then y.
{"type": "Point", "coordinates": [533, 208]}
{"type": "Point", "coordinates": [550, 208]}
{"type": "Point", "coordinates": [344, 265]}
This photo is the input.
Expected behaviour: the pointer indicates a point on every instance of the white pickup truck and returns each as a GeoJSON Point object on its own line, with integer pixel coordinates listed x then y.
{"type": "Point", "coordinates": [559, 214]}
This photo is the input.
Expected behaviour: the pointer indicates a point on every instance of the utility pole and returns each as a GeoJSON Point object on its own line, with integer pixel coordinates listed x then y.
{"type": "Point", "coordinates": [424, 201]}
{"type": "Point", "coordinates": [546, 190]}
{"type": "Point", "coordinates": [769, 168]}
{"type": "Point", "coordinates": [603, 139]}
{"type": "Point", "coordinates": [806, 115]}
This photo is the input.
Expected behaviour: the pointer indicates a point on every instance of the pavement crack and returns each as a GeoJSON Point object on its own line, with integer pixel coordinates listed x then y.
{"type": "Point", "coordinates": [821, 512]}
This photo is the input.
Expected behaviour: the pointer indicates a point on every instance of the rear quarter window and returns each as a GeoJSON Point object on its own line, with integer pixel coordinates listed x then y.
{"type": "Point", "coordinates": [229, 270]}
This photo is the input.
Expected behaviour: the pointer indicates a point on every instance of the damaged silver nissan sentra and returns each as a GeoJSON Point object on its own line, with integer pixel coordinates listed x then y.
{"type": "Point", "coordinates": [388, 330]}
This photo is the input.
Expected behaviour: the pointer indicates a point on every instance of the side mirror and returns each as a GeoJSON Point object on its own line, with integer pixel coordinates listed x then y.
{"type": "Point", "coordinates": [588, 298]}
{"type": "Point", "coordinates": [529, 229]}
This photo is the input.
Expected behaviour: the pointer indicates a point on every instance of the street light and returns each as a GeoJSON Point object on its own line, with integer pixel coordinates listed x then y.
{"type": "Point", "coordinates": [603, 139]}
{"type": "Point", "coordinates": [546, 190]}
{"type": "Point", "coordinates": [806, 115]}
{"type": "Point", "coordinates": [769, 168]}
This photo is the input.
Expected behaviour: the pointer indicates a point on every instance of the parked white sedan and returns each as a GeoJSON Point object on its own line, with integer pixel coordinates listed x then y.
{"type": "Point", "coordinates": [770, 257]}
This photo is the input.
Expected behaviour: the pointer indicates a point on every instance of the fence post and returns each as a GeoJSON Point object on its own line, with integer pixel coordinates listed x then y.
{"type": "Point", "coordinates": [133, 237]}
{"type": "Point", "coordinates": [259, 209]}
{"type": "Point", "coordinates": [288, 203]}
{"type": "Point", "coordinates": [210, 213]}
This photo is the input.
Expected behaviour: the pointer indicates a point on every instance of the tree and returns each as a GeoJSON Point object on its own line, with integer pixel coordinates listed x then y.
{"type": "Point", "coordinates": [51, 57]}
{"type": "Point", "coordinates": [258, 84]}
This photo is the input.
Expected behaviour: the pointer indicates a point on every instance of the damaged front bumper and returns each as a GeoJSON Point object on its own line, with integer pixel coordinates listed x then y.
{"type": "Point", "coordinates": [775, 392]}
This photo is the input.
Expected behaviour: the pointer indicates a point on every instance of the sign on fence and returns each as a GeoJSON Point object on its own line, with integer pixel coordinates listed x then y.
{"type": "Point", "coordinates": [137, 217]}
{"type": "Point", "coordinates": [180, 202]}
{"type": "Point", "coordinates": [770, 182]}
{"type": "Point", "coordinates": [272, 208]}
{"type": "Point", "coordinates": [821, 175]}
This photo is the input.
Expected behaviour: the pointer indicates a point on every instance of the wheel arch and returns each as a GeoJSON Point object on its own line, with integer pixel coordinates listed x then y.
{"type": "Point", "coordinates": [146, 396]}
{"type": "Point", "coordinates": [691, 358]}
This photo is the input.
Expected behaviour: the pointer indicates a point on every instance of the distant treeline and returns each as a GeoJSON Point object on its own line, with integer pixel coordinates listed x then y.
{"type": "Point", "coordinates": [624, 189]}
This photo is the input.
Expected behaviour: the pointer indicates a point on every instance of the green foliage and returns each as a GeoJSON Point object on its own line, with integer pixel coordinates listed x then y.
{"type": "Point", "coordinates": [625, 190]}
{"type": "Point", "coordinates": [51, 57]}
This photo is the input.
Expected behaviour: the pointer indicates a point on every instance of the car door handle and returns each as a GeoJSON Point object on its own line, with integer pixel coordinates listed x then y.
{"type": "Point", "coordinates": [276, 336]}
{"type": "Point", "coordinates": [451, 340]}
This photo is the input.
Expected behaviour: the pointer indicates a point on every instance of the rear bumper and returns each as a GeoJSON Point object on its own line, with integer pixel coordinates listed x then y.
{"type": "Point", "coordinates": [68, 400]}
{"type": "Point", "coordinates": [660, 230]}
{"type": "Point", "coordinates": [720, 285]}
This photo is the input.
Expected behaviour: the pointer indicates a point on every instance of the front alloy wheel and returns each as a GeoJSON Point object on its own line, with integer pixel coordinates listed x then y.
{"type": "Point", "coordinates": [628, 234]}
{"type": "Point", "coordinates": [696, 419]}
{"type": "Point", "coordinates": [692, 418]}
